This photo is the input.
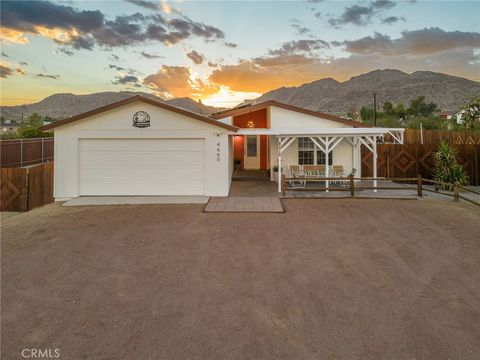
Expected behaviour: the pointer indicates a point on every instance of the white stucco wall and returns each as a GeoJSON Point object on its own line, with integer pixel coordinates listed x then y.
{"type": "Point", "coordinates": [117, 124]}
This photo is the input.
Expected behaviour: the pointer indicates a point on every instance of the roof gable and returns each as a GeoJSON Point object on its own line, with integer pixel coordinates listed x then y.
{"type": "Point", "coordinates": [247, 109]}
{"type": "Point", "coordinates": [132, 100]}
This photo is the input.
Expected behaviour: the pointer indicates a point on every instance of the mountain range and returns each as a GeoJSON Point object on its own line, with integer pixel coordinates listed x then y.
{"type": "Point", "coordinates": [326, 95]}
{"type": "Point", "coordinates": [59, 106]}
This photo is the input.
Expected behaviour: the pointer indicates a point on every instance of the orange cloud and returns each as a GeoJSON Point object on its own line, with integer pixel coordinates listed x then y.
{"type": "Point", "coordinates": [13, 36]}
{"type": "Point", "coordinates": [179, 81]}
{"type": "Point", "coordinates": [59, 35]}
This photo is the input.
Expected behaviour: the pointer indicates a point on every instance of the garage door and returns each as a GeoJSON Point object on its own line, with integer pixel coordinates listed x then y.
{"type": "Point", "coordinates": [142, 167]}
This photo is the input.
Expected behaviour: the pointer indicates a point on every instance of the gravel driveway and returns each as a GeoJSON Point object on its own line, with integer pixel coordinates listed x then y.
{"type": "Point", "coordinates": [328, 279]}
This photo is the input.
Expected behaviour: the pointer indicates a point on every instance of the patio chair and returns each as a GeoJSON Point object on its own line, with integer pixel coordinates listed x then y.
{"type": "Point", "coordinates": [339, 171]}
{"type": "Point", "coordinates": [295, 171]}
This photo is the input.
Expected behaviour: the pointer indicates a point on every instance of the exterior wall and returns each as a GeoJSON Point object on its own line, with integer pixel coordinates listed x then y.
{"type": "Point", "coordinates": [286, 119]}
{"type": "Point", "coordinates": [117, 124]}
{"type": "Point", "coordinates": [343, 154]}
{"type": "Point", "coordinates": [259, 119]}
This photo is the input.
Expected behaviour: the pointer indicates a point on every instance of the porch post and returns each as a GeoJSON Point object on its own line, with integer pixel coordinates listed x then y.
{"type": "Point", "coordinates": [327, 165]}
{"type": "Point", "coordinates": [279, 164]}
{"type": "Point", "coordinates": [375, 163]}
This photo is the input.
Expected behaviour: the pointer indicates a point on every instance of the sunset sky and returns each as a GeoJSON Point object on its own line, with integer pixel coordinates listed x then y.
{"type": "Point", "coordinates": [225, 51]}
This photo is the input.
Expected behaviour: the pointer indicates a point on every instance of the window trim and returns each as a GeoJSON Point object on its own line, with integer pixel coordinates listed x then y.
{"type": "Point", "coordinates": [314, 148]}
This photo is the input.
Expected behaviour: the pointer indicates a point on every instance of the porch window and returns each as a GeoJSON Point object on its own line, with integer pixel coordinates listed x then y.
{"type": "Point", "coordinates": [310, 154]}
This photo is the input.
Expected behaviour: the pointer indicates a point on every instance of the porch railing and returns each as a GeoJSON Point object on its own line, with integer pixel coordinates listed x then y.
{"type": "Point", "coordinates": [416, 184]}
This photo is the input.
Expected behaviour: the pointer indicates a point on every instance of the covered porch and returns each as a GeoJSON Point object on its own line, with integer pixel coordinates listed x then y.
{"type": "Point", "coordinates": [320, 153]}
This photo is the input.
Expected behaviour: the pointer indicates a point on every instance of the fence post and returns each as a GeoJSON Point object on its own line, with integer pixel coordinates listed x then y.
{"type": "Point", "coordinates": [42, 150]}
{"type": "Point", "coordinates": [456, 191]}
{"type": "Point", "coordinates": [352, 185]}
{"type": "Point", "coordinates": [419, 185]}
{"type": "Point", "coordinates": [284, 185]}
{"type": "Point", "coordinates": [21, 152]}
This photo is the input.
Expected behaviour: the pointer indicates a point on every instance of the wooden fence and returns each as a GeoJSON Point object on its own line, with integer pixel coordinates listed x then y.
{"type": "Point", "coordinates": [24, 152]}
{"type": "Point", "coordinates": [409, 160]}
{"type": "Point", "coordinates": [25, 188]}
{"type": "Point", "coordinates": [414, 136]}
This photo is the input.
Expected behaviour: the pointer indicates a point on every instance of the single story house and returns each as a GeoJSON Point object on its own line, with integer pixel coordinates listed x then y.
{"type": "Point", "coordinates": [140, 146]}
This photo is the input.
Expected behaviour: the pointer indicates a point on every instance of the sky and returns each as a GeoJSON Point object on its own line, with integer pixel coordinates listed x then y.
{"type": "Point", "coordinates": [222, 52]}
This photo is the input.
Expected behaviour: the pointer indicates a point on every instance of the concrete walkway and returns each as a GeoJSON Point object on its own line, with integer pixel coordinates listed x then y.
{"type": "Point", "coordinates": [260, 204]}
{"type": "Point", "coordinates": [135, 200]}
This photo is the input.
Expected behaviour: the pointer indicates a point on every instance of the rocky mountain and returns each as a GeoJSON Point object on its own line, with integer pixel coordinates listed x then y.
{"type": "Point", "coordinates": [329, 95]}
{"type": "Point", "coordinates": [60, 106]}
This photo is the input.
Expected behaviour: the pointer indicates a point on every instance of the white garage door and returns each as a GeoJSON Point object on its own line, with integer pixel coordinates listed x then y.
{"type": "Point", "coordinates": [142, 167]}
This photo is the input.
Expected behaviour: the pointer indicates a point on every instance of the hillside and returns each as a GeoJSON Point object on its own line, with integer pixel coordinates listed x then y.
{"type": "Point", "coordinates": [59, 106]}
{"type": "Point", "coordinates": [329, 95]}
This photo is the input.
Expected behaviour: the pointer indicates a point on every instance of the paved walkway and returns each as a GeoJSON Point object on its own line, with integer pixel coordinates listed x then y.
{"type": "Point", "coordinates": [244, 204]}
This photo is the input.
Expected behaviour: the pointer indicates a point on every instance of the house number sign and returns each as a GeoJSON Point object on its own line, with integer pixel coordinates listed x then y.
{"type": "Point", "coordinates": [218, 151]}
{"type": "Point", "coordinates": [141, 119]}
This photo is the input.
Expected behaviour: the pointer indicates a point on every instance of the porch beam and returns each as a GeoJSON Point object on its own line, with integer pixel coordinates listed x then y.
{"type": "Point", "coordinates": [286, 144]}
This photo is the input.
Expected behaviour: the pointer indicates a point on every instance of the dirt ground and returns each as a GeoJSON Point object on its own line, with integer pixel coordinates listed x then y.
{"type": "Point", "coordinates": [328, 279]}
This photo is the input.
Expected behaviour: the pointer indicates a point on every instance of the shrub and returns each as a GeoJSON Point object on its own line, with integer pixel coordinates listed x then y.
{"type": "Point", "coordinates": [447, 169]}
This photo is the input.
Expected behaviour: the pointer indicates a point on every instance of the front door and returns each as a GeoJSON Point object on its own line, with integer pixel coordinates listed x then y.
{"type": "Point", "coordinates": [251, 157]}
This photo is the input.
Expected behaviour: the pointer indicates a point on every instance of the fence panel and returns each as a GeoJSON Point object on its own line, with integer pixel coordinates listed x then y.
{"type": "Point", "coordinates": [23, 152]}
{"type": "Point", "coordinates": [14, 189]}
{"type": "Point", "coordinates": [409, 160]}
{"type": "Point", "coordinates": [414, 136]}
{"type": "Point", "coordinates": [25, 188]}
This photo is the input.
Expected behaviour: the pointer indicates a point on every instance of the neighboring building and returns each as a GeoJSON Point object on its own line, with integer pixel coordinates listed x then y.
{"type": "Point", "coordinates": [141, 146]}
{"type": "Point", "coordinates": [9, 126]}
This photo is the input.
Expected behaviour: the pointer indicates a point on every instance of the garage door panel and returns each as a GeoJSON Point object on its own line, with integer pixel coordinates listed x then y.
{"type": "Point", "coordinates": [142, 167]}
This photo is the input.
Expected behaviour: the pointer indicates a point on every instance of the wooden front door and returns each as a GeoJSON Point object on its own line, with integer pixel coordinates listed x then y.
{"type": "Point", "coordinates": [251, 147]}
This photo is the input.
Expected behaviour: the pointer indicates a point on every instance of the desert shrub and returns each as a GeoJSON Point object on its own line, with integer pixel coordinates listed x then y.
{"type": "Point", "coordinates": [446, 168]}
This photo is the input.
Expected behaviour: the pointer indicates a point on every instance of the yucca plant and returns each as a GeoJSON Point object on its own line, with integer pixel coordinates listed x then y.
{"type": "Point", "coordinates": [447, 170]}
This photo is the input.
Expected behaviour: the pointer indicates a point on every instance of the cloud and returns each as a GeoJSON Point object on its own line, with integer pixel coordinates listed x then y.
{"type": "Point", "coordinates": [5, 71]}
{"type": "Point", "coordinates": [146, 4]}
{"type": "Point", "coordinates": [230, 44]}
{"type": "Point", "coordinates": [87, 29]}
{"type": "Point", "coordinates": [415, 42]}
{"type": "Point", "coordinates": [392, 19]}
{"type": "Point", "coordinates": [47, 76]}
{"type": "Point", "coordinates": [5, 55]}
{"type": "Point", "coordinates": [20, 71]}
{"type": "Point", "coordinates": [178, 81]}
{"type": "Point", "coordinates": [23, 63]}
{"type": "Point", "coordinates": [300, 29]}
{"type": "Point", "coordinates": [66, 51]}
{"type": "Point", "coordinates": [195, 57]}
{"type": "Point", "coordinates": [114, 57]}
{"type": "Point", "coordinates": [300, 46]}
{"type": "Point", "coordinates": [361, 15]}
{"type": "Point", "coordinates": [262, 74]}
{"type": "Point", "coordinates": [126, 80]}
{"type": "Point", "coordinates": [151, 56]}
{"type": "Point", "coordinates": [119, 68]}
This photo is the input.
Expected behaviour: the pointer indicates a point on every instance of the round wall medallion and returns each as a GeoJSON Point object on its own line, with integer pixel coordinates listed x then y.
{"type": "Point", "coordinates": [141, 119]}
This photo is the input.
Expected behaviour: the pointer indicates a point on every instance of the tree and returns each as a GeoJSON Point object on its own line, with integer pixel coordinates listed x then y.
{"type": "Point", "coordinates": [388, 108]}
{"type": "Point", "coordinates": [418, 107]}
{"type": "Point", "coordinates": [30, 128]}
{"type": "Point", "coordinates": [366, 114]}
{"type": "Point", "coordinates": [471, 113]}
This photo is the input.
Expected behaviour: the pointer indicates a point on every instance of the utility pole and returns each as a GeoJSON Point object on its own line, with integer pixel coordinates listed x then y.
{"type": "Point", "coordinates": [374, 109]}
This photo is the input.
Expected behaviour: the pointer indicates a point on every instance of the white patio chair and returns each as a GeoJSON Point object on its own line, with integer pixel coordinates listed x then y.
{"type": "Point", "coordinates": [295, 171]}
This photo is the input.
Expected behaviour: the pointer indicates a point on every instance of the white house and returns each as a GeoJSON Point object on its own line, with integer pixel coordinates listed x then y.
{"type": "Point", "coordinates": [140, 146]}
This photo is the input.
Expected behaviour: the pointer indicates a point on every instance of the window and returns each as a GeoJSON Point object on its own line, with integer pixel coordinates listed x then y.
{"type": "Point", "coordinates": [321, 158]}
{"type": "Point", "coordinates": [252, 146]}
{"type": "Point", "coordinates": [310, 154]}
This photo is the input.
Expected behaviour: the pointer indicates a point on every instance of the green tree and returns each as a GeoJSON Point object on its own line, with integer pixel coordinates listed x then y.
{"type": "Point", "coordinates": [471, 114]}
{"type": "Point", "coordinates": [418, 107]}
{"type": "Point", "coordinates": [367, 114]}
{"type": "Point", "coordinates": [388, 108]}
{"type": "Point", "coordinates": [30, 128]}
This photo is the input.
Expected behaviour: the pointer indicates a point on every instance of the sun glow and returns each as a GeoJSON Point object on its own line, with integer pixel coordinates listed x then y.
{"type": "Point", "coordinates": [228, 98]}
